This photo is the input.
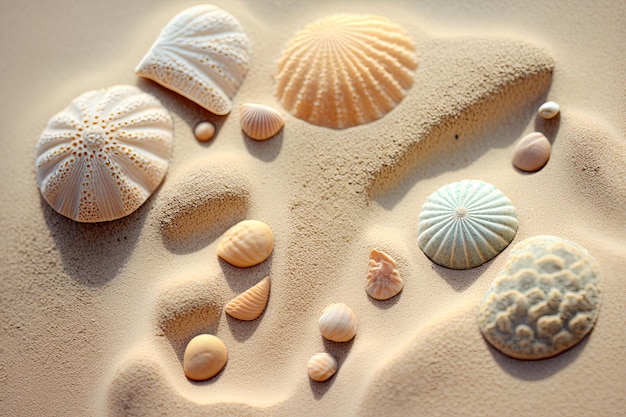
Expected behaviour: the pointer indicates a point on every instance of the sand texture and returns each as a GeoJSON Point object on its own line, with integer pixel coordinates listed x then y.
{"type": "Point", "coordinates": [95, 317]}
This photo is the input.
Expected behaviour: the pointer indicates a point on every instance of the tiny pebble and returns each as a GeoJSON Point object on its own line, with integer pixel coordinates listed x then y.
{"type": "Point", "coordinates": [532, 152]}
{"type": "Point", "coordinates": [204, 131]}
{"type": "Point", "coordinates": [549, 110]}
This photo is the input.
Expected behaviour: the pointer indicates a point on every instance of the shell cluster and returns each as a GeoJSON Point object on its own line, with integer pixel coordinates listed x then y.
{"type": "Point", "coordinates": [250, 304]}
{"type": "Point", "coordinates": [105, 154]}
{"type": "Point", "coordinates": [205, 356]}
{"type": "Point", "coordinates": [322, 366]}
{"type": "Point", "coordinates": [338, 323]}
{"type": "Point", "coordinates": [260, 122]}
{"type": "Point", "coordinates": [383, 279]}
{"type": "Point", "coordinates": [544, 301]}
{"type": "Point", "coordinates": [247, 243]}
{"type": "Point", "coordinates": [532, 152]}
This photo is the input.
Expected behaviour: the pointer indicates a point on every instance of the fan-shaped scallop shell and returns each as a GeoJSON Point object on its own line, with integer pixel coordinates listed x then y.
{"type": "Point", "coordinates": [103, 156]}
{"type": "Point", "coordinates": [321, 366]}
{"type": "Point", "coordinates": [338, 323]}
{"type": "Point", "coordinates": [465, 224]}
{"type": "Point", "coordinates": [202, 54]}
{"type": "Point", "coordinates": [383, 279]}
{"type": "Point", "coordinates": [250, 304]}
{"type": "Point", "coordinates": [345, 70]}
{"type": "Point", "coordinates": [260, 122]}
{"type": "Point", "coordinates": [247, 243]}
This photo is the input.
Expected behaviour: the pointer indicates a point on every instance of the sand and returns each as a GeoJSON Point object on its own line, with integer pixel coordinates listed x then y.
{"type": "Point", "coordinates": [95, 317]}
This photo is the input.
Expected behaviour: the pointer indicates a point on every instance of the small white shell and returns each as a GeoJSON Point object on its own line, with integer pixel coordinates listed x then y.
{"type": "Point", "coordinates": [260, 122]}
{"type": "Point", "coordinates": [549, 110]}
{"type": "Point", "coordinates": [250, 304]}
{"type": "Point", "coordinates": [321, 366]}
{"type": "Point", "coordinates": [204, 131]}
{"type": "Point", "coordinates": [383, 279]}
{"type": "Point", "coordinates": [205, 356]}
{"type": "Point", "coordinates": [532, 152]}
{"type": "Point", "coordinates": [338, 323]}
{"type": "Point", "coordinates": [247, 243]}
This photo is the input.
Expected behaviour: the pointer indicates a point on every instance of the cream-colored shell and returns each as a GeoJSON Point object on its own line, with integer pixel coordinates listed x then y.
{"type": "Point", "coordinates": [549, 110]}
{"type": "Point", "coordinates": [260, 122]}
{"type": "Point", "coordinates": [247, 243]}
{"type": "Point", "coordinates": [532, 152]}
{"type": "Point", "coordinates": [204, 131]}
{"type": "Point", "coordinates": [321, 366]}
{"type": "Point", "coordinates": [105, 154]}
{"type": "Point", "coordinates": [205, 356]}
{"type": "Point", "coordinates": [250, 304]}
{"type": "Point", "coordinates": [338, 323]}
{"type": "Point", "coordinates": [383, 279]}
{"type": "Point", "coordinates": [202, 54]}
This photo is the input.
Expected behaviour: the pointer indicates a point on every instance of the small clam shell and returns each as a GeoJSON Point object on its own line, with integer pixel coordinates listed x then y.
{"type": "Point", "coordinates": [338, 323]}
{"type": "Point", "coordinates": [549, 110]}
{"type": "Point", "coordinates": [260, 122]}
{"type": "Point", "coordinates": [383, 279]}
{"type": "Point", "coordinates": [204, 131]}
{"type": "Point", "coordinates": [322, 366]}
{"type": "Point", "coordinates": [532, 152]}
{"type": "Point", "coordinates": [247, 243]}
{"type": "Point", "coordinates": [250, 304]}
{"type": "Point", "coordinates": [205, 356]}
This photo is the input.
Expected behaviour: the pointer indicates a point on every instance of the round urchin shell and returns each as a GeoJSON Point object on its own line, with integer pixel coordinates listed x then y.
{"type": "Point", "coordinates": [544, 301]}
{"type": "Point", "coordinates": [104, 155]}
{"type": "Point", "coordinates": [465, 224]}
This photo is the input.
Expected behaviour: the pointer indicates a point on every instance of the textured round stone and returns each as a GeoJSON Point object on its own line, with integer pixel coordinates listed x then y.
{"type": "Point", "coordinates": [544, 301]}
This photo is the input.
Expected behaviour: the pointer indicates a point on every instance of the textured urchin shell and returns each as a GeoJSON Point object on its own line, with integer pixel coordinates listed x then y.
{"type": "Point", "coordinates": [465, 224]}
{"type": "Point", "coordinates": [104, 155]}
{"type": "Point", "coordinates": [202, 54]}
{"type": "Point", "coordinates": [345, 70]}
{"type": "Point", "coordinates": [260, 122]}
{"type": "Point", "coordinates": [544, 301]}
{"type": "Point", "coordinates": [247, 243]}
{"type": "Point", "coordinates": [383, 279]}
{"type": "Point", "coordinates": [250, 304]}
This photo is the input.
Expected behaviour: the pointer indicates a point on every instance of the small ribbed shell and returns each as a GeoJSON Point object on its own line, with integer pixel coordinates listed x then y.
{"type": "Point", "coordinates": [465, 224]}
{"type": "Point", "coordinates": [321, 366]}
{"type": "Point", "coordinates": [202, 54]}
{"type": "Point", "coordinates": [338, 323]}
{"type": "Point", "coordinates": [383, 279]}
{"type": "Point", "coordinates": [247, 243]}
{"type": "Point", "coordinates": [250, 304]}
{"type": "Point", "coordinates": [260, 122]}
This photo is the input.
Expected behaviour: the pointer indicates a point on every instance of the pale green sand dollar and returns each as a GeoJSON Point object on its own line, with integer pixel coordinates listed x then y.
{"type": "Point", "coordinates": [465, 224]}
{"type": "Point", "coordinates": [544, 301]}
{"type": "Point", "coordinates": [205, 356]}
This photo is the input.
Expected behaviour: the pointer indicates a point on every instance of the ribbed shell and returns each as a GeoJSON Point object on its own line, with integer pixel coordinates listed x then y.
{"type": "Point", "coordinates": [465, 224]}
{"type": "Point", "coordinates": [383, 279]}
{"type": "Point", "coordinates": [247, 243]}
{"type": "Point", "coordinates": [345, 70]}
{"type": "Point", "coordinates": [338, 323]}
{"type": "Point", "coordinates": [250, 304]}
{"type": "Point", "coordinates": [260, 122]}
{"type": "Point", "coordinates": [202, 54]}
{"type": "Point", "coordinates": [103, 156]}
{"type": "Point", "coordinates": [321, 366]}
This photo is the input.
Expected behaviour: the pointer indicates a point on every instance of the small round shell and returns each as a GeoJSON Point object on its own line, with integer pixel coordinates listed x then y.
{"type": "Point", "coordinates": [338, 323]}
{"type": "Point", "coordinates": [250, 304]}
{"type": "Point", "coordinates": [321, 366]}
{"type": "Point", "coordinates": [260, 122]}
{"type": "Point", "coordinates": [205, 356]}
{"type": "Point", "coordinates": [383, 280]}
{"type": "Point", "coordinates": [532, 152]}
{"type": "Point", "coordinates": [247, 243]}
{"type": "Point", "coordinates": [204, 131]}
{"type": "Point", "coordinates": [549, 110]}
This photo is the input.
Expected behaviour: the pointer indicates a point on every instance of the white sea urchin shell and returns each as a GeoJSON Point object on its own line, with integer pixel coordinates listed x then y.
{"type": "Point", "coordinates": [202, 54]}
{"type": "Point", "coordinates": [103, 156]}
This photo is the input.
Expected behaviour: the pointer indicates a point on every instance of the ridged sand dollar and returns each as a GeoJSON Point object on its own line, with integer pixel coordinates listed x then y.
{"type": "Point", "coordinates": [465, 224]}
{"type": "Point", "coordinates": [345, 70]}
{"type": "Point", "coordinates": [544, 301]}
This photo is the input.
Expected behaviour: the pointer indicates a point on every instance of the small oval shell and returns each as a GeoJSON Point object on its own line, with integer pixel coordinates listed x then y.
{"type": "Point", "coordinates": [338, 323]}
{"type": "Point", "coordinates": [250, 304]}
{"type": "Point", "coordinates": [465, 224]}
{"type": "Point", "coordinates": [204, 131]}
{"type": "Point", "coordinates": [247, 243]}
{"type": "Point", "coordinates": [383, 280]}
{"type": "Point", "coordinates": [532, 152]}
{"type": "Point", "coordinates": [260, 122]}
{"type": "Point", "coordinates": [205, 356]}
{"type": "Point", "coordinates": [549, 110]}
{"type": "Point", "coordinates": [321, 366]}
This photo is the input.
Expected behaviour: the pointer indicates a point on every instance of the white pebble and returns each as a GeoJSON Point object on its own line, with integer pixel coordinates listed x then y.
{"type": "Point", "coordinates": [549, 110]}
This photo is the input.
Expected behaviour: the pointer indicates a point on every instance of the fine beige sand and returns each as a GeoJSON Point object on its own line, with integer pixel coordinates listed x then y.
{"type": "Point", "coordinates": [95, 317]}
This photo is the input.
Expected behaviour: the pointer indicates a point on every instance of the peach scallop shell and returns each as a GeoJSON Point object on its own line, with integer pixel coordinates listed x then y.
{"type": "Point", "coordinates": [202, 54]}
{"type": "Point", "coordinates": [345, 70]}
{"type": "Point", "coordinates": [338, 323]}
{"type": "Point", "coordinates": [321, 366]}
{"type": "Point", "coordinates": [103, 156]}
{"type": "Point", "coordinates": [247, 243]}
{"type": "Point", "coordinates": [465, 224]}
{"type": "Point", "coordinates": [383, 279]}
{"type": "Point", "coordinates": [260, 122]}
{"type": "Point", "coordinates": [250, 304]}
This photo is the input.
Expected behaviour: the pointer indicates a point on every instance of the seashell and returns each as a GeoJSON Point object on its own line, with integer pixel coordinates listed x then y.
{"type": "Point", "coordinates": [204, 131]}
{"type": "Point", "coordinates": [549, 110]}
{"type": "Point", "coordinates": [205, 356]}
{"type": "Point", "coordinates": [345, 70]}
{"type": "Point", "coordinates": [338, 323]}
{"type": "Point", "coordinates": [544, 301]}
{"type": "Point", "coordinates": [247, 243]}
{"type": "Point", "coordinates": [260, 122]}
{"type": "Point", "coordinates": [250, 304]}
{"type": "Point", "coordinates": [532, 152]}
{"type": "Point", "coordinates": [383, 279]}
{"type": "Point", "coordinates": [321, 367]}
{"type": "Point", "coordinates": [202, 54]}
{"type": "Point", "coordinates": [100, 158]}
{"type": "Point", "coordinates": [465, 224]}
